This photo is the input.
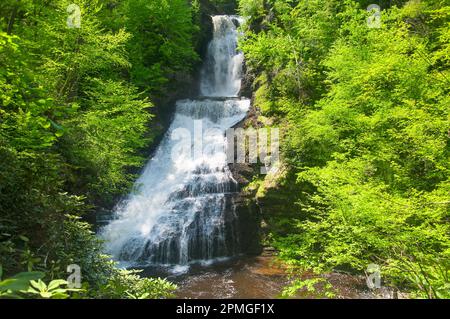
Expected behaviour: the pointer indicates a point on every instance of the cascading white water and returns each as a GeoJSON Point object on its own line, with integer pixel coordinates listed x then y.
{"type": "Point", "coordinates": [180, 210]}
{"type": "Point", "coordinates": [221, 75]}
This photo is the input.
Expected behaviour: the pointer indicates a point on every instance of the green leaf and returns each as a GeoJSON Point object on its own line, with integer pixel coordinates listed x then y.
{"type": "Point", "coordinates": [30, 275]}
{"type": "Point", "coordinates": [23, 238]}
{"type": "Point", "coordinates": [39, 285]}
{"type": "Point", "coordinates": [46, 294]}
{"type": "Point", "coordinates": [56, 283]}
{"type": "Point", "coordinates": [20, 281]}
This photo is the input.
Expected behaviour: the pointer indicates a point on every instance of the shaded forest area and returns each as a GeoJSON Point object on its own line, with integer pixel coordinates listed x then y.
{"type": "Point", "coordinates": [77, 107]}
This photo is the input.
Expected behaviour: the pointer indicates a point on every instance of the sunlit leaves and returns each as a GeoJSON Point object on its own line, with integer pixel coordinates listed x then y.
{"type": "Point", "coordinates": [367, 136]}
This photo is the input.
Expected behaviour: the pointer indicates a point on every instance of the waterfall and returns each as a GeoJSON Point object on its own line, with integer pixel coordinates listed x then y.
{"type": "Point", "coordinates": [181, 209]}
{"type": "Point", "coordinates": [221, 75]}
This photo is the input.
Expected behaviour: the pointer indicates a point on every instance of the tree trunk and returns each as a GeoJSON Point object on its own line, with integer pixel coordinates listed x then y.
{"type": "Point", "coordinates": [12, 18]}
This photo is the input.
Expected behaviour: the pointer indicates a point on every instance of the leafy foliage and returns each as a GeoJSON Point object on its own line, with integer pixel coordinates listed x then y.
{"type": "Point", "coordinates": [51, 291]}
{"type": "Point", "coordinates": [129, 285]}
{"type": "Point", "coordinates": [367, 117]}
{"type": "Point", "coordinates": [162, 45]}
{"type": "Point", "coordinates": [10, 287]}
{"type": "Point", "coordinates": [75, 109]}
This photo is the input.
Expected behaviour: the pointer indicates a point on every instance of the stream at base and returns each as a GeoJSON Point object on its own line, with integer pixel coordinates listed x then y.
{"type": "Point", "coordinates": [234, 278]}
{"type": "Point", "coordinates": [259, 277]}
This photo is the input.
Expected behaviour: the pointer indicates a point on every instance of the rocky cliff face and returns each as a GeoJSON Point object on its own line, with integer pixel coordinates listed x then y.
{"type": "Point", "coordinates": [263, 200]}
{"type": "Point", "coordinates": [246, 207]}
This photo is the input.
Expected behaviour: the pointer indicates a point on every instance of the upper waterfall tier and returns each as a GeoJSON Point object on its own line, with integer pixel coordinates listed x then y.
{"type": "Point", "coordinates": [221, 74]}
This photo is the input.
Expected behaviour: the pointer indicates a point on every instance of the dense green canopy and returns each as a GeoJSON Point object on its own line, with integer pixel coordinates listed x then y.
{"type": "Point", "coordinates": [367, 139]}
{"type": "Point", "coordinates": [74, 119]}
